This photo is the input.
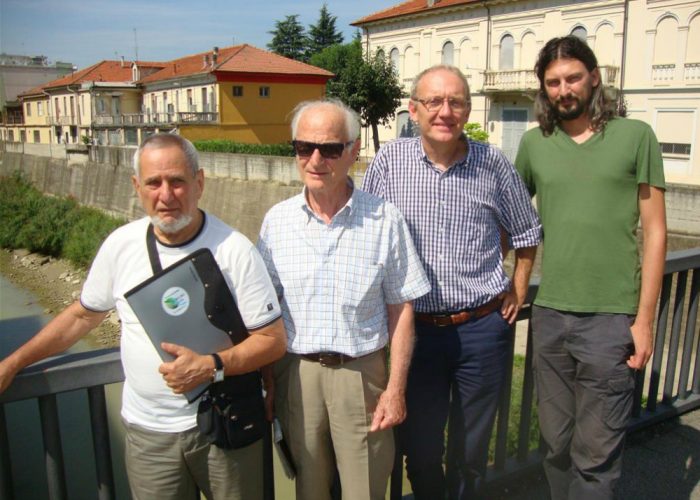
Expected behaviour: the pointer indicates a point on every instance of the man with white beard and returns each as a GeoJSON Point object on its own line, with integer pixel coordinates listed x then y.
{"type": "Point", "coordinates": [166, 456]}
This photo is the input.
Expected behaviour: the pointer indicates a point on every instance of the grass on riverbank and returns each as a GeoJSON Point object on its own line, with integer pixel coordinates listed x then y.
{"type": "Point", "coordinates": [58, 227]}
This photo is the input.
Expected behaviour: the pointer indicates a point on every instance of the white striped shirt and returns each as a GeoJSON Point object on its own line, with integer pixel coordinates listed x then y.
{"type": "Point", "coordinates": [334, 280]}
{"type": "Point", "coordinates": [454, 217]}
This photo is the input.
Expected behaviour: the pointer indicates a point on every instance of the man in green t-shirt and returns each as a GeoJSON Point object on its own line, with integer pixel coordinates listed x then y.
{"type": "Point", "coordinates": [595, 175]}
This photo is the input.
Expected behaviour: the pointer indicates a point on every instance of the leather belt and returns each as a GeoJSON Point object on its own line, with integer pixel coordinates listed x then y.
{"type": "Point", "coordinates": [329, 359]}
{"type": "Point", "coordinates": [457, 318]}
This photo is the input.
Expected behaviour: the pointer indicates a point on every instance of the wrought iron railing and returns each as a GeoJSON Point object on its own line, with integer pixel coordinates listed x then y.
{"type": "Point", "coordinates": [660, 394]}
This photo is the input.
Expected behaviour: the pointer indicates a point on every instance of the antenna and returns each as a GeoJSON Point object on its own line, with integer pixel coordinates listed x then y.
{"type": "Point", "coordinates": [136, 47]}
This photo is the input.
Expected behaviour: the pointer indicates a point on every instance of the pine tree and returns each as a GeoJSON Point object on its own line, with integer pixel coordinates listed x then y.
{"type": "Point", "coordinates": [288, 39]}
{"type": "Point", "coordinates": [323, 34]}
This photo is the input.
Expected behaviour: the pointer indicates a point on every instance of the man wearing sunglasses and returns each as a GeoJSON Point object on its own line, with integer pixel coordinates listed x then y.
{"type": "Point", "coordinates": [346, 273]}
{"type": "Point", "coordinates": [458, 197]}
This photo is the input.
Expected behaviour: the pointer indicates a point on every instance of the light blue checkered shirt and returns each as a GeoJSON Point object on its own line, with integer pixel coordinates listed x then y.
{"type": "Point", "coordinates": [334, 280]}
{"type": "Point", "coordinates": [454, 218]}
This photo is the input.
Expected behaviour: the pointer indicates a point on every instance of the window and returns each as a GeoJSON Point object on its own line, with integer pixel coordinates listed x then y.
{"type": "Point", "coordinates": [237, 91]}
{"type": "Point", "coordinates": [580, 33]}
{"type": "Point", "coordinates": [505, 60]}
{"type": "Point", "coordinates": [100, 105]}
{"type": "Point", "coordinates": [37, 136]}
{"type": "Point", "coordinates": [675, 149]}
{"type": "Point", "coordinates": [22, 136]}
{"type": "Point", "coordinates": [394, 58]}
{"type": "Point", "coordinates": [131, 136]}
{"type": "Point", "coordinates": [448, 51]}
{"type": "Point", "coordinates": [264, 91]}
{"type": "Point", "coordinates": [40, 108]}
{"type": "Point", "coordinates": [10, 136]}
{"type": "Point", "coordinates": [29, 109]}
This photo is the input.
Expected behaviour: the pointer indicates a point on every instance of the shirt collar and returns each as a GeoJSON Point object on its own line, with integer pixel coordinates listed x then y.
{"type": "Point", "coordinates": [345, 211]}
{"type": "Point", "coordinates": [459, 163]}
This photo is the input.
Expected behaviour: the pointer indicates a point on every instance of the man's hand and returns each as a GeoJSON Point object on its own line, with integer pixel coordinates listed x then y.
{"type": "Point", "coordinates": [390, 411]}
{"type": "Point", "coordinates": [511, 305]}
{"type": "Point", "coordinates": [187, 370]}
{"type": "Point", "coordinates": [643, 345]}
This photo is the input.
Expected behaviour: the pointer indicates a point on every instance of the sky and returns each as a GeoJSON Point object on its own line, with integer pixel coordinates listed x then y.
{"type": "Point", "coordinates": [84, 32]}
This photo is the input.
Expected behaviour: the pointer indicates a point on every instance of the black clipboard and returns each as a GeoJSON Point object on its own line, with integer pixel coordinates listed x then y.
{"type": "Point", "coordinates": [190, 304]}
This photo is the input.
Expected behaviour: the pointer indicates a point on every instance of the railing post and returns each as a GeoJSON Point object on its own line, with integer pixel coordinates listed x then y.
{"type": "Point", "coordinates": [670, 375]}
{"type": "Point", "coordinates": [268, 472]}
{"type": "Point", "coordinates": [53, 452]}
{"type": "Point", "coordinates": [100, 442]}
{"type": "Point", "coordinates": [689, 338]}
{"type": "Point", "coordinates": [527, 397]}
{"type": "Point", "coordinates": [6, 488]}
{"type": "Point", "coordinates": [657, 359]}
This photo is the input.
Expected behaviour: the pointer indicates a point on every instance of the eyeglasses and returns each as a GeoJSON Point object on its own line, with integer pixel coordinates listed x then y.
{"type": "Point", "coordinates": [435, 103]}
{"type": "Point", "coordinates": [329, 150]}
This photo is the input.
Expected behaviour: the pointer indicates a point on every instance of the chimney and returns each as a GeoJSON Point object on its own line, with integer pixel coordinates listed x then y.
{"type": "Point", "coordinates": [122, 59]}
{"type": "Point", "coordinates": [214, 56]}
{"type": "Point", "coordinates": [205, 61]}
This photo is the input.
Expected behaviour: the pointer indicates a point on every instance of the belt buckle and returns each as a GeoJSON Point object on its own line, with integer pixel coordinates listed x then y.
{"type": "Point", "coordinates": [329, 359]}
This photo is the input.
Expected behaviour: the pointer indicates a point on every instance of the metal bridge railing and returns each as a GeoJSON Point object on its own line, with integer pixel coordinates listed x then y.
{"type": "Point", "coordinates": [668, 387]}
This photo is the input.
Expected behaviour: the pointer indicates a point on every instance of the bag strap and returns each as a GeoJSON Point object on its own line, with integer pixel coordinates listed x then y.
{"type": "Point", "coordinates": [153, 250]}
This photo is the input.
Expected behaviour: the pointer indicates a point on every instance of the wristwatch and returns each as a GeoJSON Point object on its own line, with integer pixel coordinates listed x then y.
{"type": "Point", "coordinates": [218, 374]}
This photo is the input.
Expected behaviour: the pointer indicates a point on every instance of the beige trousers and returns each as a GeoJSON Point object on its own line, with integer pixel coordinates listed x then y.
{"type": "Point", "coordinates": [170, 466]}
{"type": "Point", "coordinates": [325, 415]}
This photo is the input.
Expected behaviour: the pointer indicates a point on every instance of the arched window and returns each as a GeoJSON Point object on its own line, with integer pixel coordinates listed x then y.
{"type": "Point", "coordinates": [394, 58]}
{"type": "Point", "coordinates": [448, 53]}
{"type": "Point", "coordinates": [580, 33]}
{"type": "Point", "coordinates": [405, 126]}
{"type": "Point", "coordinates": [505, 58]}
{"type": "Point", "coordinates": [380, 52]}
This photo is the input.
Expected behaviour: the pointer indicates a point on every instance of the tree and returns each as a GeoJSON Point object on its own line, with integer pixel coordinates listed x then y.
{"type": "Point", "coordinates": [288, 39]}
{"type": "Point", "coordinates": [371, 87]}
{"type": "Point", "coordinates": [323, 34]}
{"type": "Point", "coordinates": [474, 131]}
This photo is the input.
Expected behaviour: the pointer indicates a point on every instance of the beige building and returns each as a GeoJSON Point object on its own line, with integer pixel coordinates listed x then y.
{"type": "Point", "coordinates": [649, 52]}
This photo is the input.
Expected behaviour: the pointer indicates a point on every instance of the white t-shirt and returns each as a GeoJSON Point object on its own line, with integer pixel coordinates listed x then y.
{"type": "Point", "coordinates": [122, 263]}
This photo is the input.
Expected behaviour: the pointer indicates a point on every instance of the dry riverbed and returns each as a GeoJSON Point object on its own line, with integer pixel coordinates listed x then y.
{"type": "Point", "coordinates": [56, 283]}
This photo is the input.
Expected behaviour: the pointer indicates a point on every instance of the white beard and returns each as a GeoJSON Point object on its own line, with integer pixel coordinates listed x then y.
{"type": "Point", "coordinates": [171, 227]}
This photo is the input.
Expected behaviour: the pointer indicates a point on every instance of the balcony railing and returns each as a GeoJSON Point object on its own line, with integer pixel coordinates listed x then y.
{"type": "Point", "coordinates": [662, 73]}
{"type": "Point", "coordinates": [172, 118]}
{"type": "Point", "coordinates": [524, 80]}
{"type": "Point", "coordinates": [692, 72]}
{"type": "Point", "coordinates": [668, 392]}
{"type": "Point", "coordinates": [13, 120]}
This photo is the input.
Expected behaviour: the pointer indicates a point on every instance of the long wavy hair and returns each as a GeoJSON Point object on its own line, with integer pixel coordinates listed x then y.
{"type": "Point", "coordinates": [601, 107]}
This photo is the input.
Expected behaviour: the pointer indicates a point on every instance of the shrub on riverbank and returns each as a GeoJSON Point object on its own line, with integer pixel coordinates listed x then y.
{"type": "Point", "coordinates": [53, 226]}
{"type": "Point", "coordinates": [225, 146]}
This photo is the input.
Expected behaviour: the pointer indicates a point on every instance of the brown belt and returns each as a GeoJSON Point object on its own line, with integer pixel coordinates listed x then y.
{"type": "Point", "coordinates": [329, 359]}
{"type": "Point", "coordinates": [451, 319]}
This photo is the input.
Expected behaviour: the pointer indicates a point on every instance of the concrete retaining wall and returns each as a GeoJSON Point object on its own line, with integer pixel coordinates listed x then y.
{"type": "Point", "coordinates": [239, 188]}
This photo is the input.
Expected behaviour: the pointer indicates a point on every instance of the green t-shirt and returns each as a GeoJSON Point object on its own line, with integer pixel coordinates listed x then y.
{"type": "Point", "coordinates": [587, 197]}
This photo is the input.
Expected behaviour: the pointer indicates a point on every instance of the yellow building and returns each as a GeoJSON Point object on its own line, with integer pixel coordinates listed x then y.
{"type": "Point", "coordinates": [240, 93]}
{"type": "Point", "coordinates": [649, 54]}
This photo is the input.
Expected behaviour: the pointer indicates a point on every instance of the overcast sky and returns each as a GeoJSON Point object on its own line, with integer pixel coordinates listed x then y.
{"type": "Point", "coordinates": [84, 32]}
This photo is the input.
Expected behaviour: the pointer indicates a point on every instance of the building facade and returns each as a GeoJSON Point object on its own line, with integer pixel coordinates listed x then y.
{"type": "Point", "coordinates": [239, 93]}
{"type": "Point", "coordinates": [648, 50]}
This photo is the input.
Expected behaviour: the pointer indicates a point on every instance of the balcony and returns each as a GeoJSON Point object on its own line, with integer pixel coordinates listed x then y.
{"type": "Point", "coordinates": [663, 74]}
{"type": "Point", "coordinates": [64, 120]}
{"type": "Point", "coordinates": [150, 119]}
{"type": "Point", "coordinates": [525, 80]}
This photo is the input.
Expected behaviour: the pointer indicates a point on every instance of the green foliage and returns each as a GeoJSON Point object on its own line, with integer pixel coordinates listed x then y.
{"type": "Point", "coordinates": [226, 146]}
{"type": "Point", "coordinates": [475, 132]}
{"type": "Point", "coordinates": [54, 226]}
{"type": "Point", "coordinates": [86, 235]}
{"type": "Point", "coordinates": [371, 87]}
{"type": "Point", "coordinates": [288, 39]}
{"type": "Point", "coordinates": [323, 34]}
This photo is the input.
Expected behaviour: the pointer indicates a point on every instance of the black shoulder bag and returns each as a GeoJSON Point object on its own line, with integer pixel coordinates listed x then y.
{"type": "Point", "coordinates": [231, 413]}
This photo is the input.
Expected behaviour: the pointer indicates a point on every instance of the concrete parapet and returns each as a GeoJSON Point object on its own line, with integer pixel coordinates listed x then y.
{"type": "Point", "coordinates": [238, 188]}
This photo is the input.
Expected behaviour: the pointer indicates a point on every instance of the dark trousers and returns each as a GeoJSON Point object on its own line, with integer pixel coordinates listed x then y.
{"type": "Point", "coordinates": [456, 371]}
{"type": "Point", "coordinates": [585, 390]}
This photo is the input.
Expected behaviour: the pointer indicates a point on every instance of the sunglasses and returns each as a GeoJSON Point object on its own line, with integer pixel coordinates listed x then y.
{"type": "Point", "coordinates": [329, 150]}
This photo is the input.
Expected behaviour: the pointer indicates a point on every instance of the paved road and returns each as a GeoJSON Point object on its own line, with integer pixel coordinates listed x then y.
{"type": "Point", "coordinates": [659, 463]}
